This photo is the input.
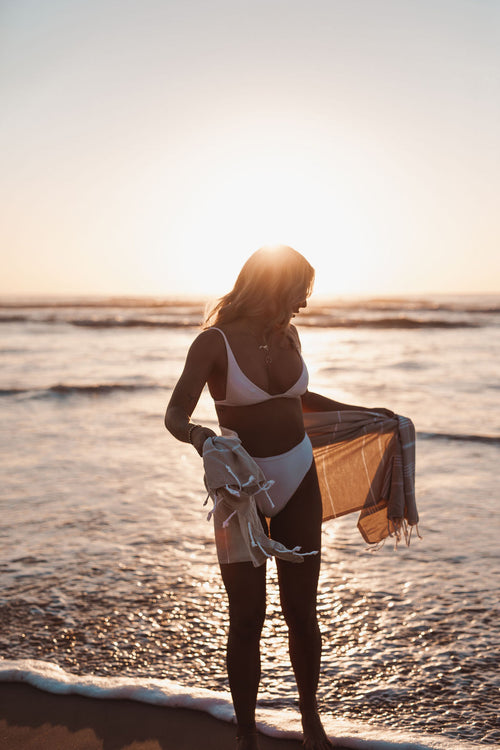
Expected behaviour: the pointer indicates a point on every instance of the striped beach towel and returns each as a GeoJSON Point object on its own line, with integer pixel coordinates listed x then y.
{"type": "Point", "coordinates": [366, 463]}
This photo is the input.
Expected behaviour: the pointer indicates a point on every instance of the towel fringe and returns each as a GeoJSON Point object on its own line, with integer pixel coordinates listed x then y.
{"type": "Point", "coordinates": [398, 528]}
{"type": "Point", "coordinates": [225, 523]}
{"type": "Point", "coordinates": [232, 491]}
{"type": "Point", "coordinates": [253, 542]}
{"type": "Point", "coordinates": [375, 547]}
{"type": "Point", "coordinates": [265, 487]}
{"type": "Point", "coordinates": [214, 501]}
{"type": "Point", "coordinates": [259, 545]}
{"type": "Point", "coordinates": [250, 534]}
{"type": "Point", "coordinates": [238, 483]}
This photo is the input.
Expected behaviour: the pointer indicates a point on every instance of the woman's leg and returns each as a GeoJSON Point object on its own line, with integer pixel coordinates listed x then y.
{"type": "Point", "coordinates": [246, 590]}
{"type": "Point", "coordinates": [300, 523]}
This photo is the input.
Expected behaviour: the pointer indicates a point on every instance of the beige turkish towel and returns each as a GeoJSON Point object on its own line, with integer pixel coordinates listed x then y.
{"type": "Point", "coordinates": [233, 479]}
{"type": "Point", "coordinates": [366, 462]}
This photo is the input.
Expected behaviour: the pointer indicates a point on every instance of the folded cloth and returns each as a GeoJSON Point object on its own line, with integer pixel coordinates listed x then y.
{"type": "Point", "coordinates": [366, 462]}
{"type": "Point", "coordinates": [233, 479]}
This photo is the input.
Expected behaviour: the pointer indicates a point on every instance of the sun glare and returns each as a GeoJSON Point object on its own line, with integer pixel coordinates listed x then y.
{"type": "Point", "coordinates": [267, 200]}
{"type": "Point", "coordinates": [336, 200]}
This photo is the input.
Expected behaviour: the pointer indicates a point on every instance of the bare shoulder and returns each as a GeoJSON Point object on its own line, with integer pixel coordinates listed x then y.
{"type": "Point", "coordinates": [208, 344]}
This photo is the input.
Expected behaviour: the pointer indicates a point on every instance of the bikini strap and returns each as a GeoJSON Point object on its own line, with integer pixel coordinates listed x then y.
{"type": "Point", "coordinates": [231, 362]}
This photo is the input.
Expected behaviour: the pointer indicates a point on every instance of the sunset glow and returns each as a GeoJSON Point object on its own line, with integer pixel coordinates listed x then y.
{"type": "Point", "coordinates": [151, 153]}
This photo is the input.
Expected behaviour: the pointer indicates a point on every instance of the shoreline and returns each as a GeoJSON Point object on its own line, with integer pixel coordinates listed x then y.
{"type": "Point", "coordinates": [33, 719]}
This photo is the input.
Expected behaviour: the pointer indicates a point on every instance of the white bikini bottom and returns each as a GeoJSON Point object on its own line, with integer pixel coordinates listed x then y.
{"type": "Point", "coordinates": [287, 470]}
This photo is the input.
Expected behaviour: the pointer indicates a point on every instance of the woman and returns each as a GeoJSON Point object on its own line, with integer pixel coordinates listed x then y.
{"type": "Point", "coordinates": [249, 355]}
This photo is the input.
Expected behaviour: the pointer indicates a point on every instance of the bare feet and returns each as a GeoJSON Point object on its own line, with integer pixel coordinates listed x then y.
{"type": "Point", "coordinates": [248, 741]}
{"type": "Point", "coordinates": [314, 735]}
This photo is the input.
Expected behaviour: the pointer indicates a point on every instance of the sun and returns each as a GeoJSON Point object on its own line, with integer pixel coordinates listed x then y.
{"type": "Point", "coordinates": [238, 195]}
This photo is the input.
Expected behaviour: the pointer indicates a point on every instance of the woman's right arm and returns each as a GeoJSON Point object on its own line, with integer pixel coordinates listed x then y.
{"type": "Point", "coordinates": [200, 363]}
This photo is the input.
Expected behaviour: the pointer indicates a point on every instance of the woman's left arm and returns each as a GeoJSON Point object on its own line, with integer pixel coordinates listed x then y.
{"type": "Point", "coordinates": [315, 402]}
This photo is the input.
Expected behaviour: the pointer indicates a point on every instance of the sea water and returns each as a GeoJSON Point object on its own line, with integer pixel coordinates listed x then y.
{"type": "Point", "coordinates": [107, 563]}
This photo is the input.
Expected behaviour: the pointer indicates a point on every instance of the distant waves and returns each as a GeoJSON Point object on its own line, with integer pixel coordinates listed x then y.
{"type": "Point", "coordinates": [397, 322]}
{"type": "Point", "coordinates": [376, 313]}
{"type": "Point", "coordinates": [487, 439]}
{"type": "Point", "coordinates": [310, 321]}
{"type": "Point", "coordinates": [68, 390]}
{"type": "Point", "coordinates": [98, 322]}
{"type": "Point", "coordinates": [62, 389]}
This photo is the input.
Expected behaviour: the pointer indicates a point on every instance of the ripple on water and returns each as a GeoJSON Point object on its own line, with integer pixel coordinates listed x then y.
{"type": "Point", "coordinates": [385, 658]}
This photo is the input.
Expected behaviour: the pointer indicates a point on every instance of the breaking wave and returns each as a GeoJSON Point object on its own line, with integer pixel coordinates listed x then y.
{"type": "Point", "coordinates": [312, 320]}
{"type": "Point", "coordinates": [63, 389]}
{"type": "Point", "coordinates": [487, 439]}
{"type": "Point", "coordinates": [276, 723]}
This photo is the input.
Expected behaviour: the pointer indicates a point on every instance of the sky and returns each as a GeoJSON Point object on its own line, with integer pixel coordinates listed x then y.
{"type": "Point", "coordinates": [150, 146]}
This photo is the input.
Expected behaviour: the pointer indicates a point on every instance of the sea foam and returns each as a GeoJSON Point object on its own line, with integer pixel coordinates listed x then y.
{"type": "Point", "coordinates": [162, 692]}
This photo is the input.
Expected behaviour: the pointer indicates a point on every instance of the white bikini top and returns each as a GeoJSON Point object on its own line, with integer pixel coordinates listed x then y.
{"type": "Point", "coordinates": [240, 391]}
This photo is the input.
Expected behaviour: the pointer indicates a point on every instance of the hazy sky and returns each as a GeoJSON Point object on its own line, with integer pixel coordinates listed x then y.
{"type": "Point", "coordinates": [149, 146]}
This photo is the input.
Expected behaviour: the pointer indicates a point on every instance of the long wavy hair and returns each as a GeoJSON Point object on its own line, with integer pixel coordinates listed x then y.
{"type": "Point", "coordinates": [270, 285]}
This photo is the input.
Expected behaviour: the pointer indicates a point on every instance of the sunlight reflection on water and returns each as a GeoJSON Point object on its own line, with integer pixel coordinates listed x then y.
{"type": "Point", "coordinates": [109, 564]}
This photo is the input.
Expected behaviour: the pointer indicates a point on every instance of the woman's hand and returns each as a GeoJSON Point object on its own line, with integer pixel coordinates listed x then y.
{"type": "Point", "coordinates": [198, 436]}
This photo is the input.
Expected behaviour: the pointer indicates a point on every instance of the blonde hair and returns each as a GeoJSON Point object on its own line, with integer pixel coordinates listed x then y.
{"type": "Point", "coordinates": [270, 284]}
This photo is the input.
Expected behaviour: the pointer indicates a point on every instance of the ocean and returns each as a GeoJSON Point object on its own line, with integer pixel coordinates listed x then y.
{"type": "Point", "coordinates": [107, 564]}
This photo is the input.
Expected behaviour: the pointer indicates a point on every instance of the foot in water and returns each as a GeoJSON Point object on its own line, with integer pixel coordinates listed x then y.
{"type": "Point", "coordinates": [314, 734]}
{"type": "Point", "coordinates": [248, 741]}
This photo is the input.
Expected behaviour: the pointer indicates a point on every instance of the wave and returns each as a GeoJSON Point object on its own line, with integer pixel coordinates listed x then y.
{"type": "Point", "coordinates": [421, 306]}
{"type": "Point", "coordinates": [278, 723]}
{"type": "Point", "coordinates": [135, 323]}
{"type": "Point", "coordinates": [125, 303]}
{"type": "Point", "coordinates": [486, 439]}
{"type": "Point", "coordinates": [14, 318]}
{"type": "Point", "coordinates": [119, 322]}
{"type": "Point", "coordinates": [308, 320]}
{"type": "Point", "coordinates": [62, 389]}
{"type": "Point", "coordinates": [459, 303]}
{"type": "Point", "coordinates": [312, 321]}
{"type": "Point", "coordinates": [396, 322]}
{"type": "Point", "coordinates": [105, 389]}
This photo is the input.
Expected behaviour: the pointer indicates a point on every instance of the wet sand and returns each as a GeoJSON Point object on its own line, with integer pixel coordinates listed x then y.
{"type": "Point", "coordinates": [31, 719]}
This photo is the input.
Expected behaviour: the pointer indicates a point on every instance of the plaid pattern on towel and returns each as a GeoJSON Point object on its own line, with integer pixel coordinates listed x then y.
{"type": "Point", "coordinates": [366, 463]}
